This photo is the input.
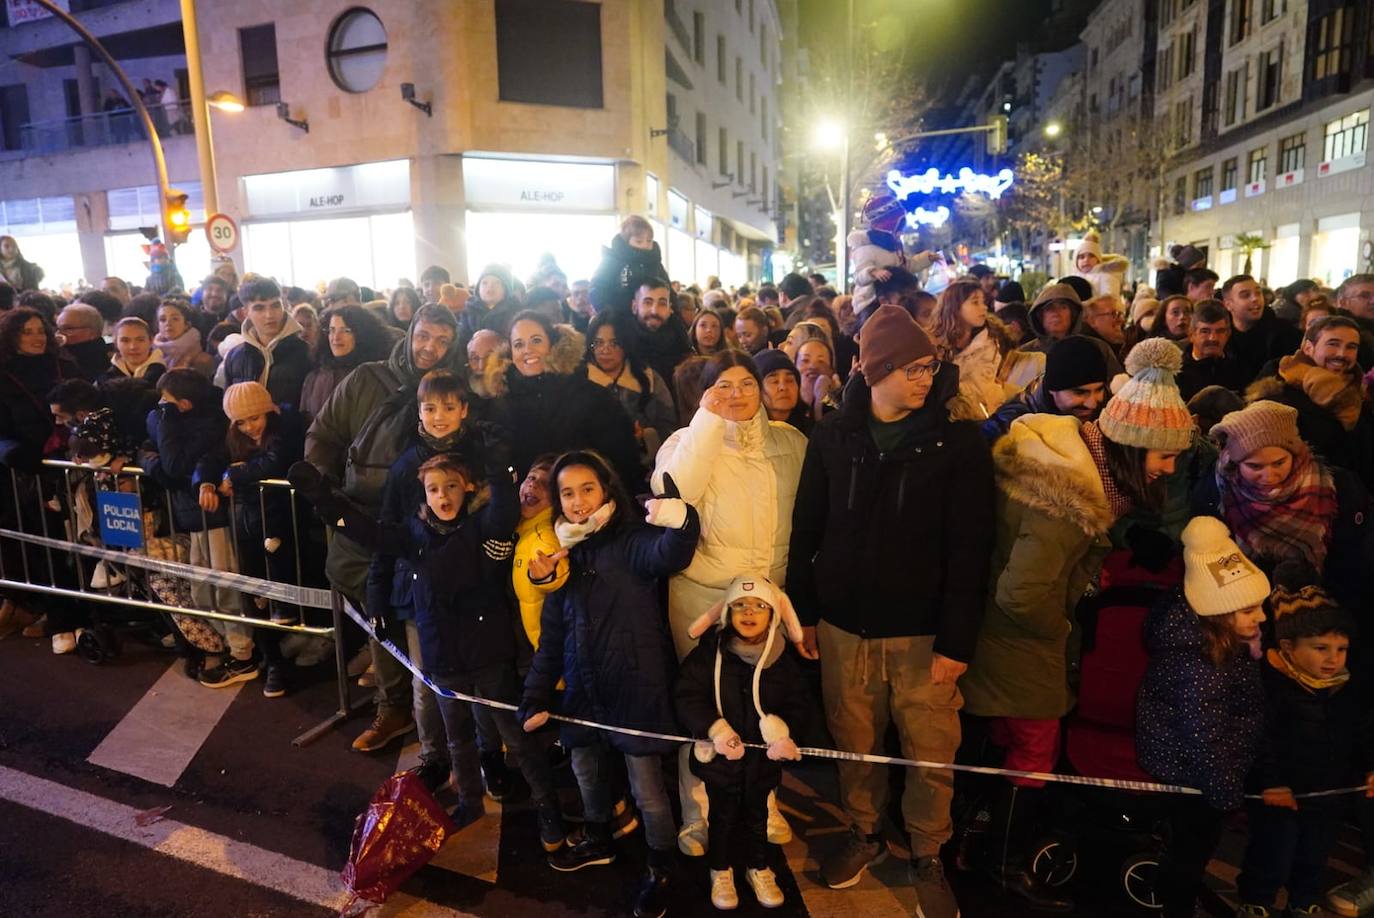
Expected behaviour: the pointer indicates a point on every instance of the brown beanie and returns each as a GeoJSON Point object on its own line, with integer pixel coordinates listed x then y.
{"type": "Point", "coordinates": [1263, 423]}
{"type": "Point", "coordinates": [246, 400]}
{"type": "Point", "coordinates": [891, 339]}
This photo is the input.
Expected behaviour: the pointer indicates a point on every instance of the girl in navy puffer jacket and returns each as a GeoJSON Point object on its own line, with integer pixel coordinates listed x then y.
{"type": "Point", "coordinates": [1199, 712]}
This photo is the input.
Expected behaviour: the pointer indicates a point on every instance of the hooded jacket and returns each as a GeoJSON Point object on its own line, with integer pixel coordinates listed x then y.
{"type": "Point", "coordinates": [623, 268]}
{"type": "Point", "coordinates": [478, 315]}
{"type": "Point", "coordinates": [867, 255]}
{"type": "Point", "coordinates": [1050, 538]}
{"type": "Point", "coordinates": [561, 410]}
{"type": "Point", "coordinates": [1196, 724]}
{"type": "Point", "coordinates": [280, 364]}
{"type": "Point", "coordinates": [605, 634]}
{"type": "Point", "coordinates": [1043, 341]}
{"type": "Point", "coordinates": [368, 420]}
{"type": "Point", "coordinates": [894, 544]}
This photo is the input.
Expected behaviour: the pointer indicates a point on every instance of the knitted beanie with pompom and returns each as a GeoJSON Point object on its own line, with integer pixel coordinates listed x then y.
{"type": "Point", "coordinates": [1147, 411]}
{"type": "Point", "coordinates": [1217, 577]}
{"type": "Point", "coordinates": [1091, 243]}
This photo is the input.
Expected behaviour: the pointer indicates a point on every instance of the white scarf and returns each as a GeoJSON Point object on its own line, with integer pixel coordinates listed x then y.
{"type": "Point", "coordinates": [570, 533]}
{"type": "Point", "coordinates": [154, 357]}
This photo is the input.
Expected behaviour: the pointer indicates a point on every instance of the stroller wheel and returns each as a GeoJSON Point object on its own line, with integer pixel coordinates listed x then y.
{"type": "Point", "coordinates": [1138, 877]}
{"type": "Point", "coordinates": [98, 644]}
{"type": "Point", "coordinates": [1054, 862]}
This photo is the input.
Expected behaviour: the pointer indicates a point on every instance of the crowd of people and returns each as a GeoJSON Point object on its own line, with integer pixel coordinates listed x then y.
{"type": "Point", "coordinates": [767, 518]}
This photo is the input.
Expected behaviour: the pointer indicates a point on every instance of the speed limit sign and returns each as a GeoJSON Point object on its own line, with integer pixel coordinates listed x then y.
{"type": "Point", "coordinates": [222, 232]}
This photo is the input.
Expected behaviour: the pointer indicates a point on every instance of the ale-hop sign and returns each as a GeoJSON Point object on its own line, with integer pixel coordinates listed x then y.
{"type": "Point", "coordinates": [121, 522]}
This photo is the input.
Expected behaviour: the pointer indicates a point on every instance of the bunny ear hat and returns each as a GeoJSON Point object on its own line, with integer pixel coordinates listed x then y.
{"type": "Point", "coordinates": [784, 616]}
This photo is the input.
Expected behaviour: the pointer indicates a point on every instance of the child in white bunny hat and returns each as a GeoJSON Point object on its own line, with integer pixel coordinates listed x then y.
{"type": "Point", "coordinates": [739, 686]}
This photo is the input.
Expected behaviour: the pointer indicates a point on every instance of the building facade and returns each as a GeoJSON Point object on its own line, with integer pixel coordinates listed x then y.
{"type": "Point", "coordinates": [537, 140]}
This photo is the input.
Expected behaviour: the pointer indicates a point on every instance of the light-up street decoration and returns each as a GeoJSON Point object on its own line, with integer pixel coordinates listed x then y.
{"type": "Point", "coordinates": [932, 182]}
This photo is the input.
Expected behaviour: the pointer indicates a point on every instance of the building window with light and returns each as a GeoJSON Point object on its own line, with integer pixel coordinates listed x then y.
{"type": "Point", "coordinates": [1257, 164]}
{"type": "Point", "coordinates": [1233, 103]}
{"type": "Point", "coordinates": [1202, 183]}
{"type": "Point", "coordinates": [1270, 73]}
{"type": "Point", "coordinates": [1346, 136]}
{"type": "Point", "coordinates": [1292, 153]}
{"type": "Point", "coordinates": [1331, 44]}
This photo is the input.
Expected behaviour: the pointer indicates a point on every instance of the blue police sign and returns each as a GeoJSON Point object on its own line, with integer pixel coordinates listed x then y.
{"type": "Point", "coordinates": [121, 526]}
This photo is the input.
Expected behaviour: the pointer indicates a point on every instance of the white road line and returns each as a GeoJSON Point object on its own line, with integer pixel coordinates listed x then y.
{"type": "Point", "coordinates": [226, 856]}
{"type": "Point", "coordinates": [160, 735]}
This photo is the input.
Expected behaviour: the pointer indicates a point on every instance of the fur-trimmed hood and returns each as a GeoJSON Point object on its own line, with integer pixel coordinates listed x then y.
{"type": "Point", "coordinates": [1043, 463]}
{"type": "Point", "coordinates": [565, 357]}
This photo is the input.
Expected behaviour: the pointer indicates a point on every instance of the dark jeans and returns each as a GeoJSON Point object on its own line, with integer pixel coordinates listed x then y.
{"type": "Point", "coordinates": [1195, 829]}
{"type": "Point", "coordinates": [1287, 848]}
{"type": "Point", "coordinates": [497, 682]}
{"type": "Point", "coordinates": [744, 809]}
{"type": "Point", "coordinates": [598, 784]}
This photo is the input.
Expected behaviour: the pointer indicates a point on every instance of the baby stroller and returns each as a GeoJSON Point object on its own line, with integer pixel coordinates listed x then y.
{"type": "Point", "coordinates": [1118, 830]}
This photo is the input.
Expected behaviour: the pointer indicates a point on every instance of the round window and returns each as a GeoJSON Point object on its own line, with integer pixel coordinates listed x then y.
{"type": "Point", "coordinates": [357, 50]}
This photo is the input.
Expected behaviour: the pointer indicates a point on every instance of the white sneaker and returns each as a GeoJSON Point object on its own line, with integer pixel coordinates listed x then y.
{"type": "Point", "coordinates": [64, 642]}
{"type": "Point", "coordinates": [691, 841]}
{"type": "Point", "coordinates": [765, 887]}
{"type": "Point", "coordinates": [723, 895]}
{"type": "Point", "coordinates": [779, 832]}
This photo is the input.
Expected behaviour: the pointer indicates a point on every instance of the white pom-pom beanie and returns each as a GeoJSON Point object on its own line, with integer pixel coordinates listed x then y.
{"type": "Point", "coordinates": [1218, 579]}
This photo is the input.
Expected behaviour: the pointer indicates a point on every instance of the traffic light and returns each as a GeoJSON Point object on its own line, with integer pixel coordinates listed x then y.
{"type": "Point", "coordinates": [997, 135]}
{"type": "Point", "coordinates": [176, 219]}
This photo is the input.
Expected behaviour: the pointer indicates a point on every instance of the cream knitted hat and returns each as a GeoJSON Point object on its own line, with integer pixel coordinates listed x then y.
{"type": "Point", "coordinates": [1147, 411]}
{"type": "Point", "coordinates": [1091, 243]}
{"type": "Point", "coordinates": [246, 400]}
{"type": "Point", "coordinates": [1218, 579]}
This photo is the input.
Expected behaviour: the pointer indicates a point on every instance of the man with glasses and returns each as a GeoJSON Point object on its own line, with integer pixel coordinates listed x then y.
{"type": "Point", "coordinates": [660, 338]}
{"type": "Point", "coordinates": [80, 328]}
{"type": "Point", "coordinates": [1103, 320]}
{"type": "Point", "coordinates": [888, 568]}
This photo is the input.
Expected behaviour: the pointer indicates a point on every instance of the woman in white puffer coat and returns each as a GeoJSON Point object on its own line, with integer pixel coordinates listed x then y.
{"type": "Point", "coordinates": [740, 471]}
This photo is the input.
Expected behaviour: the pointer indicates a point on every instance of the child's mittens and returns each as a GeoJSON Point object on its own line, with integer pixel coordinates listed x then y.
{"type": "Point", "coordinates": [779, 739]}
{"type": "Point", "coordinates": [704, 751]}
{"type": "Point", "coordinates": [726, 740]}
{"type": "Point", "coordinates": [535, 721]}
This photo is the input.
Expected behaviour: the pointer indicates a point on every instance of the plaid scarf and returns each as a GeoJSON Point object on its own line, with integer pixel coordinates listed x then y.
{"type": "Point", "coordinates": [1119, 503]}
{"type": "Point", "coordinates": [1293, 520]}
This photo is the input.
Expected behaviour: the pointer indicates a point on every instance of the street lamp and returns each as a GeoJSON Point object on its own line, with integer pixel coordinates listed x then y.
{"type": "Point", "coordinates": [225, 102]}
{"type": "Point", "coordinates": [1053, 129]}
{"type": "Point", "coordinates": [832, 134]}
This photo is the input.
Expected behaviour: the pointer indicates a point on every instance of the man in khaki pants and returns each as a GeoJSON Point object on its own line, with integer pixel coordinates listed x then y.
{"type": "Point", "coordinates": [888, 567]}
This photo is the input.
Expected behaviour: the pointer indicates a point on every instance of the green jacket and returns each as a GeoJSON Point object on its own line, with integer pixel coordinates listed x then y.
{"type": "Point", "coordinates": [1052, 520]}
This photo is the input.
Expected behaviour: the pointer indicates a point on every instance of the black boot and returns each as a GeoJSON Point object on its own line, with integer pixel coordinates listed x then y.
{"type": "Point", "coordinates": [1009, 838]}
{"type": "Point", "coordinates": [652, 901]}
{"type": "Point", "coordinates": [592, 849]}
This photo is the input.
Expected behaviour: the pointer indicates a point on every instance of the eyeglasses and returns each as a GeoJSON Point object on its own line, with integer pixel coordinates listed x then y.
{"type": "Point", "coordinates": [601, 345]}
{"type": "Point", "coordinates": [745, 387]}
{"type": "Point", "coordinates": [922, 370]}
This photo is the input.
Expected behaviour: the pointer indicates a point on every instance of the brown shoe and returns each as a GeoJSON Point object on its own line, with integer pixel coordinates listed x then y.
{"type": "Point", "coordinates": [37, 628]}
{"type": "Point", "coordinates": [14, 617]}
{"type": "Point", "coordinates": [386, 726]}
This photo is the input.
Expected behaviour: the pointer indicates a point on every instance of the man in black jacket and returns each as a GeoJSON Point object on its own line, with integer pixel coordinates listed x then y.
{"type": "Point", "coordinates": [891, 536]}
{"type": "Point", "coordinates": [1258, 335]}
{"type": "Point", "coordinates": [660, 339]}
{"type": "Point", "coordinates": [1205, 358]}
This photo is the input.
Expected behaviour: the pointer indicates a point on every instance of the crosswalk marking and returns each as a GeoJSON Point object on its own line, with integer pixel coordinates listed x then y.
{"type": "Point", "coordinates": [210, 850]}
{"type": "Point", "coordinates": [160, 734]}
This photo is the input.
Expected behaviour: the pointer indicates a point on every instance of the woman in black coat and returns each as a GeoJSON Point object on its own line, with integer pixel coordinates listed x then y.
{"type": "Point", "coordinates": [549, 408]}
{"type": "Point", "coordinates": [30, 368]}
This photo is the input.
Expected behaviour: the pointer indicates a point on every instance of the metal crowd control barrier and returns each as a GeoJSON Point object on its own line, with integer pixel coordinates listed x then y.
{"type": "Point", "coordinates": [91, 516]}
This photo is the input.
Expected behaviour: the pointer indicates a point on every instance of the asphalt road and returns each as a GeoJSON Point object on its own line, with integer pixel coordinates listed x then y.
{"type": "Point", "coordinates": [254, 826]}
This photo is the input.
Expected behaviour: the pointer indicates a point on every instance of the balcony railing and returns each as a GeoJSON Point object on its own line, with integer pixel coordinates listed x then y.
{"type": "Point", "coordinates": [683, 145]}
{"type": "Point", "coordinates": [102, 129]}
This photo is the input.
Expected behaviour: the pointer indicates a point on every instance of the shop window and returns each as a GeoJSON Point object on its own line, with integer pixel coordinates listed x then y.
{"type": "Point", "coordinates": [533, 63]}
{"type": "Point", "coordinates": [357, 50]}
{"type": "Point", "coordinates": [701, 138]}
{"type": "Point", "coordinates": [14, 113]}
{"type": "Point", "coordinates": [1270, 73]}
{"type": "Point", "coordinates": [1229, 169]}
{"type": "Point", "coordinates": [1331, 52]}
{"type": "Point", "coordinates": [1346, 136]}
{"type": "Point", "coordinates": [1257, 164]}
{"type": "Point", "coordinates": [258, 50]}
{"type": "Point", "coordinates": [1202, 183]}
{"type": "Point", "coordinates": [1292, 153]}
{"type": "Point", "coordinates": [1180, 194]}
{"type": "Point", "coordinates": [1240, 20]}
